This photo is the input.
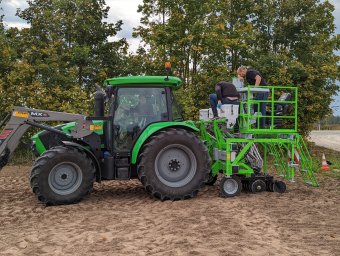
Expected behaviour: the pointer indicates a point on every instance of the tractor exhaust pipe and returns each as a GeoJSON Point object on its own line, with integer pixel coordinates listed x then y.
{"type": "Point", "coordinates": [99, 100]}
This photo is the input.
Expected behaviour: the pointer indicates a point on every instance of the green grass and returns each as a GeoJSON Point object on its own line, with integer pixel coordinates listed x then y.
{"type": "Point", "coordinates": [22, 156]}
{"type": "Point", "coordinates": [331, 156]}
{"type": "Point", "coordinates": [330, 127]}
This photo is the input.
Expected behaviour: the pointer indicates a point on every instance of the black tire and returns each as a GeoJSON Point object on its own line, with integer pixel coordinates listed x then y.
{"type": "Point", "coordinates": [230, 186]}
{"type": "Point", "coordinates": [270, 186]}
{"type": "Point", "coordinates": [211, 180]}
{"type": "Point", "coordinates": [257, 186]}
{"type": "Point", "coordinates": [173, 164]}
{"type": "Point", "coordinates": [245, 185]}
{"type": "Point", "coordinates": [279, 187]}
{"type": "Point", "coordinates": [62, 175]}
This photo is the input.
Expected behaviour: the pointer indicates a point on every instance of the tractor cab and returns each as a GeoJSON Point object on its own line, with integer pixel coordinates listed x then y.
{"type": "Point", "coordinates": [132, 110]}
{"type": "Point", "coordinates": [136, 102]}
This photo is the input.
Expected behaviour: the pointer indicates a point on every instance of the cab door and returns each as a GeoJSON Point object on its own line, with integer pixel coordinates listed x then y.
{"type": "Point", "coordinates": [135, 108]}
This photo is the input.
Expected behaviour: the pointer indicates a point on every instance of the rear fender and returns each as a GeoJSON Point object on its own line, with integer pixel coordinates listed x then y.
{"type": "Point", "coordinates": [155, 127]}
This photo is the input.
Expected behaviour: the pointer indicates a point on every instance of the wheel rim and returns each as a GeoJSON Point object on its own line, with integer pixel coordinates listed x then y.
{"type": "Point", "coordinates": [230, 186]}
{"type": "Point", "coordinates": [65, 178]}
{"type": "Point", "coordinates": [175, 165]}
{"type": "Point", "coordinates": [258, 186]}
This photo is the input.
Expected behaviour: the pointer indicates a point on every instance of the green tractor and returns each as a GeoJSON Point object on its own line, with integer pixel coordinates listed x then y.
{"type": "Point", "coordinates": [137, 132]}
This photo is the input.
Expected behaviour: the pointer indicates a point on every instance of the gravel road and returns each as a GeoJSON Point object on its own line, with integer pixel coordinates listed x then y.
{"type": "Point", "coordinates": [327, 139]}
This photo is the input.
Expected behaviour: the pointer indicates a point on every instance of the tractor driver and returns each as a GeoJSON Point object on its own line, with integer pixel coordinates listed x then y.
{"type": "Point", "coordinates": [143, 108]}
{"type": "Point", "coordinates": [225, 93]}
{"type": "Point", "coordinates": [141, 113]}
{"type": "Point", "coordinates": [131, 120]}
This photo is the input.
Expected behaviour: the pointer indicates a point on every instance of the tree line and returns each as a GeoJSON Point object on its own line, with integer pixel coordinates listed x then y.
{"type": "Point", "coordinates": [331, 120]}
{"type": "Point", "coordinates": [55, 63]}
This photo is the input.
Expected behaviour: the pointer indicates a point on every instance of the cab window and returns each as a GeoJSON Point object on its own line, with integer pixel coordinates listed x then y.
{"type": "Point", "coordinates": [135, 108]}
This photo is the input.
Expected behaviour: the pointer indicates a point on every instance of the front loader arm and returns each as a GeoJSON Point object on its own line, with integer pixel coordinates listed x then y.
{"type": "Point", "coordinates": [23, 118]}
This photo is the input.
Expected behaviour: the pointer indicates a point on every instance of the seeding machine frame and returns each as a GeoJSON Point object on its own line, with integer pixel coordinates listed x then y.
{"type": "Point", "coordinates": [236, 154]}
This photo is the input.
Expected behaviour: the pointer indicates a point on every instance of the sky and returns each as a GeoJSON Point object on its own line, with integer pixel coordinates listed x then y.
{"type": "Point", "coordinates": [126, 10]}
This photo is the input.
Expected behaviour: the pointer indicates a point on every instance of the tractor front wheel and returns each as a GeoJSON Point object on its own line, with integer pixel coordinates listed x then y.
{"type": "Point", "coordinates": [174, 164]}
{"type": "Point", "coordinates": [62, 175]}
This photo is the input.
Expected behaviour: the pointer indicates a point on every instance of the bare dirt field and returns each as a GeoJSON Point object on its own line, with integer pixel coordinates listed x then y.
{"type": "Point", "coordinates": [119, 218]}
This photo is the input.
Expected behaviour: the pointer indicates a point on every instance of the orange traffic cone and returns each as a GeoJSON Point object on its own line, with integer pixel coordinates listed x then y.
{"type": "Point", "coordinates": [324, 166]}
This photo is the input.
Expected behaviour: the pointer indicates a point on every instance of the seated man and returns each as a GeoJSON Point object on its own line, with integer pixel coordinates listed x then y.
{"type": "Point", "coordinates": [226, 93]}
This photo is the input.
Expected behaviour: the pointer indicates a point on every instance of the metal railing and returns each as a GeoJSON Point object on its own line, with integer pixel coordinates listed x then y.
{"type": "Point", "coordinates": [281, 113]}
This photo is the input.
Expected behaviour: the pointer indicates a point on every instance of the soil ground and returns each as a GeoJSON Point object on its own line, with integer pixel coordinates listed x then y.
{"type": "Point", "coordinates": [119, 218]}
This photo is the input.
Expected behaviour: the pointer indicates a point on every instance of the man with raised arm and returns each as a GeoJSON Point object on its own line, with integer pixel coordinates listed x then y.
{"type": "Point", "coordinates": [253, 77]}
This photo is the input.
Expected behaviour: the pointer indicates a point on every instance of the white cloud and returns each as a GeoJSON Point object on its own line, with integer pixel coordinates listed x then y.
{"type": "Point", "coordinates": [125, 10]}
{"type": "Point", "coordinates": [14, 3]}
{"type": "Point", "coordinates": [17, 24]}
{"type": "Point", "coordinates": [336, 14]}
{"type": "Point", "coordinates": [9, 9]}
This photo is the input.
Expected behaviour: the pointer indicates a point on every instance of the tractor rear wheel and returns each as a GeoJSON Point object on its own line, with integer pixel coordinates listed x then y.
{"type": "Point", "coordinates": [62, 175]}
{"type": "Point", "coordinates": [173, 164]}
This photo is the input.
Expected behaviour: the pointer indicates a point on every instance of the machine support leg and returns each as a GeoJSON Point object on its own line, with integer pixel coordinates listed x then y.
{"type": "Point", "coordinates": [264, 158]}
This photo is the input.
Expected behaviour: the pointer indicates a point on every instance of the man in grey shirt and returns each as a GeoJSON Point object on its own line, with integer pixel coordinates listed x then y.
{"type": "Point", "coordinates": [253, 77]}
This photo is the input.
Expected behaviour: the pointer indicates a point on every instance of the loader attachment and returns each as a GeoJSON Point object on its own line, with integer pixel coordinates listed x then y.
{"type": "Point", "coordinates": [21, 119]}
{"type": "Point", "coordinates": [5, 119]}
{"type": "Point", "coordinates": [4, 156]}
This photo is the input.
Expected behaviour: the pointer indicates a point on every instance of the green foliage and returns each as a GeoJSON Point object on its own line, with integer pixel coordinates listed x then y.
{"type": "Point", "coordinates": [331, 120]}
{"type": "Point", "coordinates": [289, 42]}
{"type": "Point", "coordinates": [22, 155]}
{"type": "Point", "coordinates": [331, 155]}
{"type": "Point", "coordinates": [55, 63]}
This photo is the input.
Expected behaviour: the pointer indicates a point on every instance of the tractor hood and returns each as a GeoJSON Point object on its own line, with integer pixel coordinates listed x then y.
{"type": "Point", "coordinates": [44, 140]}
